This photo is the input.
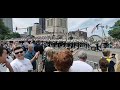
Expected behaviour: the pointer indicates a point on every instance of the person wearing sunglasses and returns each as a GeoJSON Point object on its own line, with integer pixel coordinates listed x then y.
{"type": "Point", "coordinates": [22, 64]}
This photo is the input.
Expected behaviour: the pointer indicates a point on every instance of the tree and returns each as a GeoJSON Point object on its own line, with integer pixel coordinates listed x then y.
{"type": "Point", "coordinates": [115, 32]}
{"type": "Point", "coordinates": [4, 31]}
{"type": "Point", "coordinates": [13, 35]}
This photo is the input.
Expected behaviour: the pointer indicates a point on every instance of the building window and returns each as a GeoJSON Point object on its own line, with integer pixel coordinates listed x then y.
{"type": "Point", "coordinates": [63, 31]}
{"type": "Point", "coordinates": [60, 22]}
{"type": "Point", "coordinates": [65, 23]}
{"type": "Point", "coordinates": [47, 22]}
{"type": "Point", "coordinates": [51, 22]}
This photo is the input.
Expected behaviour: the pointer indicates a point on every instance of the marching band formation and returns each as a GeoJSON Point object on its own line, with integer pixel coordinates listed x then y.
{"type": "Point", "coordinates": [74, 43]}
{"type": "Point", "coordinates": [57, 43]}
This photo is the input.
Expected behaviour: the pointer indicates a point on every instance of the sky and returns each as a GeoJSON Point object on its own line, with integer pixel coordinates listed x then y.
{"type": "Point", "coordinates": [73, 24]}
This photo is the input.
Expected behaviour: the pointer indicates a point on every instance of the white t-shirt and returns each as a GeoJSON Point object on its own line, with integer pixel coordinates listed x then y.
{"type": "Point", "coordinates": [3, 68]}
{"type": "Point", "coordinates": [21, 65]}
{"type": "Point", "coordinates": [80, 66]}
{"type": "Point", "coordinates": [9, 59]}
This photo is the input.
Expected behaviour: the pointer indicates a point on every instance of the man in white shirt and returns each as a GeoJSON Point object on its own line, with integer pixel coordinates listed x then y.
{"type": "Point", "coordinates": [21, 64]}
{"type": "Point", "coordinates": [80, 65]}
{"type": "Point", "coordinates": [4, 64]}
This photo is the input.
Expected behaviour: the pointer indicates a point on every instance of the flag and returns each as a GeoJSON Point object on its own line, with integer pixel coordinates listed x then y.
{"type": "Point", "coordinates": [97, 26]}
{"type": "Point", "coordinates": [93, 29]}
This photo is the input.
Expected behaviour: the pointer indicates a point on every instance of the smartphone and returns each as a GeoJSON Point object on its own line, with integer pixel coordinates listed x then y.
{"type": "Point", "coordinates": [113, 55]}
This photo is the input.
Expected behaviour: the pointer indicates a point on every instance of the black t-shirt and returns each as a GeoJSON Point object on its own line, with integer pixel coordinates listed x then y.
{"type": "Point", "coordinates": [49, 66]}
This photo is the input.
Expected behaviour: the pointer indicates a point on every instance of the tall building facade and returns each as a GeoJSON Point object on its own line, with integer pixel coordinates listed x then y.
{"type": "Point", "coordinates": [35, 29]}
{"type": "Point", "coordinates": [42, 24]}
{"type": "Point", "coordinates": [29, 30]}
{"type": "Point", "coordinates": [78, 34]}
{"type": "Point", "coordinates": [8, 23]}
{"type": "Point", "coordinates": [58, 26]}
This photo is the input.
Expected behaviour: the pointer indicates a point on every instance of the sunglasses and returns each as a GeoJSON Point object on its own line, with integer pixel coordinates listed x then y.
{"type": "Point", "coordinates": [19, 52]}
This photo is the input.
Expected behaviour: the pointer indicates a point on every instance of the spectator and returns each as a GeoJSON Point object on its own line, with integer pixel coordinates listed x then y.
{"type": "Point", "coordinates": [49, 64]}
{"type": "Point", "coordinates": [3, 56]}
{"type": "Point", "coordinates": [111, 60]}
{"type": "Point", "coordinates": [106, 54]}
{"type": "Point", "coordinates": [117, 65]}
{"type": "Point", "coordinates": [39, 48]}
{"type": "Point", "coordinates": [81, 65]}
{"type": "Point", "coordinates": [103, 63]}
{"type": "Point", "coordinates": [21, 64]}
{"type": "Point", "coordinates": [30, 54]}
{"type": "Point", "coordinates": [63, 60]}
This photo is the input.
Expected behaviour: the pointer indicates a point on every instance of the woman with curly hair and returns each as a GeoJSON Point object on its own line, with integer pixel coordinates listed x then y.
{"type": "Point", "coordinates": [63, 60]}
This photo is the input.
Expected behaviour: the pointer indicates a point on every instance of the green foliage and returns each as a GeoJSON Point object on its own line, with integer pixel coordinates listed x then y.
{"type": "Point", "coordinates": [15, 35]}
{"type": "Point", "coordinates": [117, 23]}
{"type": "Point", "coordinates": [115, 32]}
{"type": "Point", "coordinates": [5, 33]}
